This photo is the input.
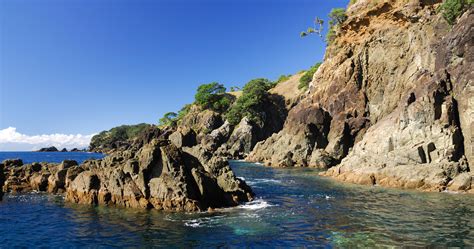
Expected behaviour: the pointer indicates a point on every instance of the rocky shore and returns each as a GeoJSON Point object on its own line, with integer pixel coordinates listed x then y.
{"type": "Point", "coordinates": [154, 174]}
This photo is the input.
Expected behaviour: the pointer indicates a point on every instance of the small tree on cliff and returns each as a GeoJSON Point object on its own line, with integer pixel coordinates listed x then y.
{"type": "Point", "coordinates": [169, 119]}
{"type": "Point", "coordinates": [212, 96]}
{"type": "Point", "coordinates": [336, 17]}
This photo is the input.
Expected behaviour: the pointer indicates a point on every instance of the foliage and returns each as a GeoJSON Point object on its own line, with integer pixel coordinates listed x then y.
{"type": "Point", "coordinates": [336, 17]}
{"type": "Point", "coordinates": [452, 9]}
{"type": "Point", "coordinates": [169, 119]}
{"type": "Point", "coordinates": [308, 76]}
{"type": "Point", "coordinates": [250, 104]}
{"type": "Point", "coordinates": [212, 96]}
{"type": "Point", "coordinates": [318, 26]}
{"type": "Point", "coordinates": [184, 111]}
{"type": "Point", "coordinates": [116, 134]}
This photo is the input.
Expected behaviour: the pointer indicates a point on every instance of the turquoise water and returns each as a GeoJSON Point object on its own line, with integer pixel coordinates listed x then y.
{"type": "Point", "coordinates": [294, 208]}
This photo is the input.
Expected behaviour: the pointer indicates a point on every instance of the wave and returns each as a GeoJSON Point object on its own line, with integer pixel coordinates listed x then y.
{"type": "Point", "coordinates": [255, 204]}
{"type": "Point", "coordinates": [263, 180]}
{"type": "Point", "coordinates": [193, 223]}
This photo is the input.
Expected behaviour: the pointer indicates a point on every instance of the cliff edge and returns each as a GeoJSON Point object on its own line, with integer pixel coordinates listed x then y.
{"type": "Point", "coordinates": [391, 105]}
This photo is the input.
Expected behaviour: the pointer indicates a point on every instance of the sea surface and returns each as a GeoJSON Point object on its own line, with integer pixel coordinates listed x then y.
{"type": "Point", "coordinates": [293, 208]}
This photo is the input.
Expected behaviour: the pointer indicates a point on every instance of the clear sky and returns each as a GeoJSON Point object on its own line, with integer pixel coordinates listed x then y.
{"type": "Point", "coordinates": [82, 66]}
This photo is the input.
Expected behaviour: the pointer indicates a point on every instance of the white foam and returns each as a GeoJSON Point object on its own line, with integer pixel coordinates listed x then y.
{"type": "Point", "coordinates": [193, 223]}
{"type": "Point", "coordinates": [263, 180]}
{"type": "Point", "coordinates": [255, 204]}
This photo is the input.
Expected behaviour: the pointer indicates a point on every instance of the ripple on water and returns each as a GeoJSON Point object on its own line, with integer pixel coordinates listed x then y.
{"type": "Point", "coordinates": [293, 208]}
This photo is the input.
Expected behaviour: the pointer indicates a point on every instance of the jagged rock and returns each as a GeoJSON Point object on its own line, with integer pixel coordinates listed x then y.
{"type": "Point", "coordinates": [462, 182]}
{"type": "Point", "coordinates": [396, 91]}
{"type": "Point", "coordinates": [183, 137]}
{"type": "Point", "coordinates": [84, 189]}
{"type": "Point", "coordinates": [66, 164]}
{"type": "Point", "coordinates": [12, 163]}
{"type": "Point", "coordinates": [64, 150]}
{"type": "Point", "coordinates": [241, 141]}
{"type": "Point", "coordinates": [160, 175]}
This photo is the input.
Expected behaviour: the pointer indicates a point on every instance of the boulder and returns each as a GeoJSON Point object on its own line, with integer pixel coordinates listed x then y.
{"type": "Point", "coordinates": [84, 188]}
{"type": "Point", "coordinates": [12, 163]}
{"type": "Point", "coordinates": [66, 164]}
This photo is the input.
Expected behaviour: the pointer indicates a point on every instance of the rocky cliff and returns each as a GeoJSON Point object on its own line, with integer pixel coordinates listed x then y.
{"type": "Point", "coordinates": [150, 174]}
{"type": "Point", "coordinates": [210, 131]}
{"type": "Point", "coordinates": [392, 104]}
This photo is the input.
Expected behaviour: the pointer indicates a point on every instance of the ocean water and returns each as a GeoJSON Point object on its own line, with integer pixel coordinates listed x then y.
{"type": "Point", "coordinates": [293, 208]}
{"type": "Point", "coordinates": [51, 157]}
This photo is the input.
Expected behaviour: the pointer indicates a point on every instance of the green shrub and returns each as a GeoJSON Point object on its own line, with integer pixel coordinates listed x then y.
{"type": "Point", "coordinates": [452, 9]}
{"type": "Point", "coordinates": [212, 96]}
{"type": "Point", "coordinates": [308, 76]}
{"type": "Point", "coordinates": [250, 104]}
{"type": "Point", "coordinates": [184, 111]}
{"type": "Point", "coordinates": [169, 119]}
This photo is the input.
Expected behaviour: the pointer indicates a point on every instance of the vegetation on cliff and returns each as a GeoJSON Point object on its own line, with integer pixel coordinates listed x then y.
{"type": "Point", "coordinates": [212, 96]}
{"type": "Point", "coordinates": [114, 137]}
{"type": "Point", "coordinates": [308, 76]}
{"type": "Point", "coordinates": [452, 9]}
{"type": "Point", "coordinates": [250, 103]}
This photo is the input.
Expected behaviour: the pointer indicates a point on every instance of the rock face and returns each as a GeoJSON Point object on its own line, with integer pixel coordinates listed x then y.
{"type": "Point", "coordinates": [156, 175]}
{"type": "Point", "coordinates": [210, 129]}
{"type": "Point", "coordinates": [391, 105]}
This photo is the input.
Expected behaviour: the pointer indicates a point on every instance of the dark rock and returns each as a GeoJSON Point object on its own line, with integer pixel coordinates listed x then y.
{"type": "Point", "coordinates": [12, 163]}
{"type": "Point", "coordinates": [48, 149]}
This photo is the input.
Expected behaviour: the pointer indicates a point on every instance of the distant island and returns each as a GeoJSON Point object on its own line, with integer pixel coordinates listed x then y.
{"type": "Point", "coordinates": [54, 149]}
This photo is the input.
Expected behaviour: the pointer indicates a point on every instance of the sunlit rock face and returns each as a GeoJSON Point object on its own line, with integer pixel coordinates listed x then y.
{"type": "Point", "coordinates": [157, 175]}
{"type": "Point", "coordinates": [391, 105]}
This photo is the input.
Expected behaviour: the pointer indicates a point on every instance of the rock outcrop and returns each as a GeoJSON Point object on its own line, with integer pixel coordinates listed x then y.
{"type": "Point", "coordinates": [48, 149]}
{"type": "Point", "coordinates": [157, 175]}
{"type": "Point", "coordinates": [210, 129]}
{"type": "Point", "coordinates": [391, 105]}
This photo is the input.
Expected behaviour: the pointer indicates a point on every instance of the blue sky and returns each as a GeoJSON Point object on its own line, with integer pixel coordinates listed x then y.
{"type": "Point", "coordinates": [79, 67]}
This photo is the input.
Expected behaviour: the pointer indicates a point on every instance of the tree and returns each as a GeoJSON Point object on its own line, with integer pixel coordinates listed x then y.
{"type": "Point", "coordinates": [336, 17]}
{"type": "Point", "coordinates": [250, 104]}
{"type": "Point", "coordinates": [212, 96]}
{"type": "Point", "coordinates": [169, 119]}
{"type": "Point", "coordinates": [318, 26]}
